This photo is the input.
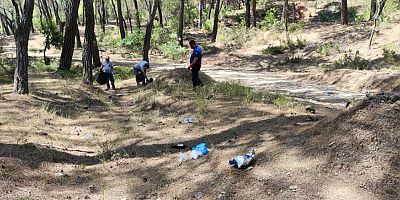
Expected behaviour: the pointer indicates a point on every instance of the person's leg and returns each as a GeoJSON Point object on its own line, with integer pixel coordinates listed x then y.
{"type": "Point", "coordinates": [194, 78]}
{"type": "Point", "coordinates": [112, 80]}
{"type": "Point", "coordinates": [199, 80]}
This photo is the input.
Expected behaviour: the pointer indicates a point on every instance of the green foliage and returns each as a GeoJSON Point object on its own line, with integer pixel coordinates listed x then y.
{"type": "Point", "coordinates": [73, 73]}
{"type": "Point", "coordinates": [349, 61]}
{"type": "Point", "coordinates": [133, 41]}
{"type": "Point", "coordinates": [286, 45]}
{"type": "Point", "coordinates": [389, 55]}
{"type": "Point", "coordinates": [328, 48]}
{"type": "Point", "coordinates": [122, 73]}
{"type": "Point", "coordinates": [53, 36]}
{"type": "Point", "coordinates": [293, 27]}
{"type": "Point", "coordinates": [38, 66]}
{"type": "Point", "coordinates": [391, 12]}
{"type": "Point", "coordinates": [274, 50]}
{"type": "Point", "coordinates": [270, 19]}
{"type": "Point", "coordinates": [234, 37]}
{"type": "Point", "coordinates": [171, 50]}
{"type": "Point", "coordinates": [208, 25]}
{"type": "Point", "coordinates": [333, 15]}
{"type": "Point", "coordinates": [6, 70]}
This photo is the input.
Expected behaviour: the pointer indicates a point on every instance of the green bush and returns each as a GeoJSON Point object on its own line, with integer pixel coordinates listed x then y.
{"type": "Point", "coordinates": [133, 41]}
{"type": "Point", "coordinates": [208, 25]}
{"type": "Point", "coordinates": [327, 48]}
{"type": "Point", "coordinates": [38, 66]}
{"type": "Point", "coordinates": [53, 36]}
{"type": "Point", "coordinates": [6, 70]}
{"type": "Point", "coordinates": [389, 55]}
{"type": "Point", "coordinates": [233, 37]}
{"type": "Point", "coordinates": [73, 73]}
{"type": "Point", "coordinates": [122, 73]}
{"type": "Point", "coordinates": [270, 19]}
{"type": "Point", "coordinates": [274, 50]}
{"type": "Point", "coordinates": [349, 61]}
{"type": "Point", "coordinates": [171, 50]}
{"type": "Point", "coordinates": [286, 45]}
{"type": "Point", "coordinates": [297, 44]}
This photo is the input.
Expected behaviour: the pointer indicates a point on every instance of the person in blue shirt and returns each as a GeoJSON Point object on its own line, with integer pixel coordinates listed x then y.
{"type": "Point", "coordinates": [140, 71]}
{"type": "Point", "coordinates": [195, 63]}
{"type": "Point", "coordinates": [107, 68]}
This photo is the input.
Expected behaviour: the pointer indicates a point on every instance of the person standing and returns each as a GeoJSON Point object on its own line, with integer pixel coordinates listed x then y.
{"type": "Point", "coordinates": [140, 71]}
{"type": "Point", "coordinates": [107, 68]}
{"type": "Point", "coordinates": [195, 63]}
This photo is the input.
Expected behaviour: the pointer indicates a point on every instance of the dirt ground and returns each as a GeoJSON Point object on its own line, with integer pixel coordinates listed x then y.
{"type": "Point", "coordinates": [70, 141]}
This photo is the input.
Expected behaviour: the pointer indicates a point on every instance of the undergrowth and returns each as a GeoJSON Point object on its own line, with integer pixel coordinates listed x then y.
{"type": "Point", "coordinates": [349, 61]}
{"type": "Point", "coordinates": [285, 45]}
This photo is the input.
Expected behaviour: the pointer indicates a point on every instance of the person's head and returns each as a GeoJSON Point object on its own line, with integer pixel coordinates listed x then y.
{"type": "Point", "coordinates": [147, 66]}
{"type": "Point", "coordinates": [107, 58]}
{"type": "Point", "coordinates": [192, 44]}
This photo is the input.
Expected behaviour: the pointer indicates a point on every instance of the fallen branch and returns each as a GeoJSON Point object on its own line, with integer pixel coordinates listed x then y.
{"type": "Point", "coordinates": [50, 146]}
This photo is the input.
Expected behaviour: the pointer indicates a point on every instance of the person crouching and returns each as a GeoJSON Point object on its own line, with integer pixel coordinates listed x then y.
{"type": "Point", "coordinates": [140, 71]}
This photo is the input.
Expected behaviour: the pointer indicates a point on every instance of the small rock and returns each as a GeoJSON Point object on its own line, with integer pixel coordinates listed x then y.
{"type": "Point", "coordinates": [144, 179]}
{"type": "Point", "coordinates": [269, 193]}
{"type": "Point", "coordinates": [393, 98]}
{"type": "Point", "coordinates": [86, 107]}
{"type": "Point", "coordinates": [310, 109]}
{"type": "Point", "coordinates": [198, 195]}
{"type": "Point", "coordinates": [87, 197]}
{"type": "Point", "coordinates": [92, 189]}
{"type": "Point", "coordinates": [42, 133]}
{"type": "Point", "coordinates": [293, 188]}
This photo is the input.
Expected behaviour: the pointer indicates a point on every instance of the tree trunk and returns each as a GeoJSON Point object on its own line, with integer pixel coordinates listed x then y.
{"type": "Point", "coordinates": [285, 17]}
{"type": "Point", "coordinates": [120, 20]}
{"type": "Point", "coordinates": [128, 12]}
{"type": "Point", "coordinates": [344, 13]}
{"type": "Point", "coordinates": [87, 56]}
{"type": "Point", "coordinates": [216, 19]}
{"type": "Point", "coordinates": [46, 10]}
{"type": "Point", "coordinates": [373, 10]}
{"type": "Point", "coordinates": [103, 16]}
{"type": "Point", "coordinates": [78, 36]}
{"type": "Point", "coordinates": [254, 13]}
{"type": "Point", "coordinates": [200, 22]}
{"type": "Point", "coordinates": [149, 28]}
{"type": "Point", "coordinates": [160, 14]}
{"type": "Point", "coordinates": [55, 8]}
{"type": "Point", "coordinates": [376, 16]}
{"type": "Point", "coordinates": [180, 26]}
{"type": "Point", "coordinates": [115, 11]}
{"type": "Point", "coordinates": [96, 53]}
{"type": "Point", "coordinates": [210, 8]}
{"type": "Point", "coordinates": [4, 25]}
{"type": "Point", "coordinates": [247, 14]}
{"type": "Point", "coordinates": [137, 14]}
{"type": "Point", "coordinates": [71, 15]}
{"type": "Point", "coordinates": [23, 26]}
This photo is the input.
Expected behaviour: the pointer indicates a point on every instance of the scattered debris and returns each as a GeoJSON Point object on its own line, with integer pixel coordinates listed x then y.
{"type": "Point", "coordinates": [179, 146]}
{"type": "Point", "coordinates": [199, 150]}
{"type": "Point", "coordinates": [50, 146]}
{"type": "Point", "coordinates": [198, 195]}
{"type": "Point", "coordinates": [182, 157]}
{"type": "Point", "coordinates": [93, 189]}
{"type": "Point", "coordinates": [332, 143]}
{"type": "Point", "coordinates": [312, 118]}
{"type": "Point", "coordinates": [310, 109]}
{"type": "Point", "coordinates": [42, 133]}
{"type": "Point", "coordinates": [60, 173]}
{"type": "Point", "coordinates": [188, 120]}
{"type": "Point", "coordinates": [130, 103]}
{"type": "Point", "coordinates": [348, 104]}
{"type": "Point", "coordinates": [293, 188]}
{"type": "Point", "coordinates": [242, 161]}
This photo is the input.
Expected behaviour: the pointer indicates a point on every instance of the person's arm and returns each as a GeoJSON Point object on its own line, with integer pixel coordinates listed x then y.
{"type": "Point", "coordinates": [193, 63]}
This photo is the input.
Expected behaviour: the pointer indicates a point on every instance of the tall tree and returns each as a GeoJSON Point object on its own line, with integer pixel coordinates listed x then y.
{"type": "Point", "coordinates": [247, 14]}
{"type": "Point", "coordinates": [216, 19]}
{"type": "Point", "coordinates": [102, 15]}
{"type": "Point", "coordinates": [149, 29]}
{"type": "Point", "coordinates": [23, 24]}
{"type": "Point", "coordinates": [120, 20]}
{"type": "Point", "coordinates": [55, 9]}
{"type": "Point", "coordinates": [210, 8]}
{"type": "Point", "coordinates": [344, 13]}
{"type": "Point", "coordinates": [137, 14]}
{"type": "Point", "coordinates": [78, 36]}
{"type": "Point", "coordinates": [376, 16]}
{"type": "Point", "coordinates": [285, 17]}
{"type": "Point", "coordinates": [87, 56]}
{"type": "Point", "coordinates": [128, 12]}
{"type": "Point", "coordinates": [373, 10]}
{"type": "Point", "coordinates": [115, 11]}
{"type": "Point", "coordinates": [254, 8]}
{"type": "Point", "coordinates": [180, 26]}
{"type": "Point", "coordinates": [160, 14]}
{"type": "Point", "coordinates": [200, 22]}
{"type": "Point", "coordinates": [71, 15]}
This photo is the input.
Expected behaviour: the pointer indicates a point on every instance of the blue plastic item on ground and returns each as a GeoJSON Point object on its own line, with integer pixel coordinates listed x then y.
{"type": "Point", "coordinates": [199, 150]}
{"type": "Point", "coordinates": [188, 120]}
{"type": "Point", "coordinates": [242, 161]}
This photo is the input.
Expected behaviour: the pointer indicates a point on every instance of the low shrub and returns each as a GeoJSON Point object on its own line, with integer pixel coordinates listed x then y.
{"type": "Point", "coordinates": [349, 61]}
{"type": "Point", "coordinates": [327, 48]}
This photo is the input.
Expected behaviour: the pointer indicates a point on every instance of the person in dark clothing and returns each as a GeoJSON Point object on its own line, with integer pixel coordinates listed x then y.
{"type": "Point", "coordinates": [195, 63]}
{"type": "Point", "coordinates": [140, 71]}
{"type": "Point", "coordinates": [108, 68]}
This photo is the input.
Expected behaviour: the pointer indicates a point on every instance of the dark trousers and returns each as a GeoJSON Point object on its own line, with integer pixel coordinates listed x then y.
{"type": "Point", "coordinates": [112, 80]}
{"type": "Point", "coordinates": [140, 78]}
{"type": "Point", "coordinates": [196, 79]}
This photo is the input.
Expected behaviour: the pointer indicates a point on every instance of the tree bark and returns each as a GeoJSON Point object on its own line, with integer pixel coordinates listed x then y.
{"type": "Point", "coordinates": [128, 12]}
{"type": "Point", "coordinates": [376, 16]}
{"type": "Point", "coordinates": [210, 8]}
{"type": "Point", "coordinates": [101, 10]}
{"type": "Point", "coordinates": [373, 10]}
{"type": "Point", "coordinates": [96, 53]}
{"type": "Point", "coordinates": [137, 14]}
{"type": "Point", "coordinates": [160, 14]}
{"type": "Point", "coordinates": [285, 16]}
{"type": "Point", "coordinates": [55, 9]}
{"type": "Point", "coordinates": [149, 28]}
{"type": "Point", "coordinates": [71, 15]}
{"type": "Point", "coordinates": [180, 26]}
{"type": "Point", "coordinates": [120, 20]}
{"type": "Point", "coordinates": [23, 24]}
{"type": "Point", "coordinates": [200, 22]}
{"type": "Point", "coordinates": [247, 14]}
{"type": "Point", "coordinates": [254, 7]}
{"type": "Point", "coordinates": [344, 13]}
{"type": "Point", "coordinates": [87, 56]}
{"type": "Point", "coordinates": [216, 19]}
{"type": "Point", "coordinates": [78, 36]}
{"type": "Point", "coordinates": [115, 11]}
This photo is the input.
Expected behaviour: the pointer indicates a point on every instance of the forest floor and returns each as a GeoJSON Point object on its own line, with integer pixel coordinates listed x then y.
{"type": "Point", "coordinates": [70, 141]}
